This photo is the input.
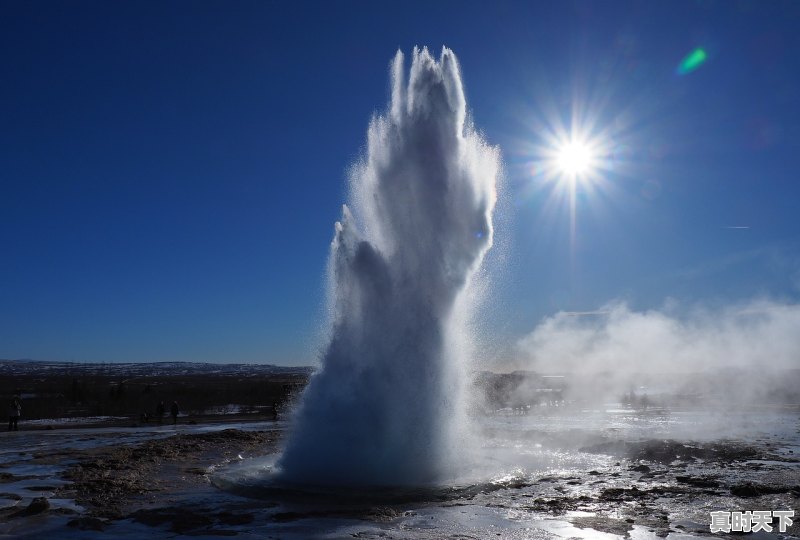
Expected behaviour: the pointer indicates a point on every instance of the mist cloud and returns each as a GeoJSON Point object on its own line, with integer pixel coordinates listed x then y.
{"type": "Point", "coordinates": [761, 334]}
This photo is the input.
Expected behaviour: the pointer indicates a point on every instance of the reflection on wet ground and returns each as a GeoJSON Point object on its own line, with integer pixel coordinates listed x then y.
{"type": "Point", "coordinates": [592, 474]}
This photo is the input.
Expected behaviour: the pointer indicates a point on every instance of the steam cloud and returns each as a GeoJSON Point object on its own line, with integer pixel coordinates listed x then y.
{"type": "Point", "coordinates": [386, 406]}
{"type": "Point", "coordinates": [759, 334]}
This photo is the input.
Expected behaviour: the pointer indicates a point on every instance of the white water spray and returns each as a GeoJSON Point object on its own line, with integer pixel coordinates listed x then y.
{"type": "Point", "coordinates": [386, 407]}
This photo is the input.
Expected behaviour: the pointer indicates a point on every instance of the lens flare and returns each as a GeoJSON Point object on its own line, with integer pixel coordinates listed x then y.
{"type": "Point", "coordinates": [692, 61]}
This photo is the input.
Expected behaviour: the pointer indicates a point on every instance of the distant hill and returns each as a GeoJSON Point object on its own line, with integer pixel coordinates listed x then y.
{"type": "Point", "coordinates": [144, 369]}
{"type": "Point", "coordinates": [74, 389]}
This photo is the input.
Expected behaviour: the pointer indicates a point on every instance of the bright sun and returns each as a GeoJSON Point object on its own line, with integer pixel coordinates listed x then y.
{"type": "Point", "coordinates": [574, 158]}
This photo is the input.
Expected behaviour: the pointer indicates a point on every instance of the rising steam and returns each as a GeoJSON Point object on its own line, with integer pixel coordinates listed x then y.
{"type": "Point", "coordinates": [386, 406]}
{"type": "Point", "coordinates": [758, 334]}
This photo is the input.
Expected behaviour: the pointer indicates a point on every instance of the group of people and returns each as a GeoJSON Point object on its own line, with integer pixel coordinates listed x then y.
{"type": "Point", "coordinates": [15, 411]}
{"type": "Point", "coordinates": [173, 411]}
{"type": "Point", "coordinates": [160, 410]}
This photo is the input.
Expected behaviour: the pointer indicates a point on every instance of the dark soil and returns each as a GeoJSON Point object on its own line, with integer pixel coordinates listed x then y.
{"type": "Point", "coordinates": [110, 481]}
{"type": "Point", "coordinates": [667, 451]}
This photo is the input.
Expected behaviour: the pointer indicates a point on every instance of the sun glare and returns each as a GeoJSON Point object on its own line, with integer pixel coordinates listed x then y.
{"type": "Point", "coordinates": [574, 158]}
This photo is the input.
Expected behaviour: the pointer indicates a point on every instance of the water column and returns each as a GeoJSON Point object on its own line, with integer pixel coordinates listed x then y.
{"type": "Point", "coordinates": [386, 407]}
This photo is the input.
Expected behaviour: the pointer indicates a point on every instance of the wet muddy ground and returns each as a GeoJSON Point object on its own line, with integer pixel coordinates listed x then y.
{"type": "Point", "coordinates": [588, 483]}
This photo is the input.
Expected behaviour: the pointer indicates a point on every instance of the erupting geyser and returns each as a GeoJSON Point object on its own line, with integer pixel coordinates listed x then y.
{"type": "Point", "coordinates": [386, 406]}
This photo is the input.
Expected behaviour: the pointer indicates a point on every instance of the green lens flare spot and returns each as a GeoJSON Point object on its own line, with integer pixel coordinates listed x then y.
{"type": "Point", "coordinates": [692, 61]}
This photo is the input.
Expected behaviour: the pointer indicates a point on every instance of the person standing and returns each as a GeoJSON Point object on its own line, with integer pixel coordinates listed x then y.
{"type": "Point", "coordinates": [14, 412]}
{"type": "Point", "coordinates": [160, 410]}
{"type": "Point", "coordinates": [173, 411]}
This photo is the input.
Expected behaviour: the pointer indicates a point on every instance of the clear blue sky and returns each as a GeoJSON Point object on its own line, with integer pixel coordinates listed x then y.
{"type": "Point", "coordinates": [170, 172]}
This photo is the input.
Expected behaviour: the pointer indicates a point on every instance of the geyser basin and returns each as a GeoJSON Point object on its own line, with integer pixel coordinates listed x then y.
{"type": "Point", "coordinates": [386, 406]}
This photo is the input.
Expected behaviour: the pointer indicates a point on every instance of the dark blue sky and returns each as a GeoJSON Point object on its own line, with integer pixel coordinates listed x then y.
{"type": "Point", "coordinates": [170, 172]}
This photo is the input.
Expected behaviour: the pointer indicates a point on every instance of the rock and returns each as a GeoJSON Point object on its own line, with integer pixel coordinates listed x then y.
{"type": "Point", "coordinates": [705, 482]}
{"type": "Point", "coordinates": [285, 517]}
{"type": "Point", "coordinates": [752, 489]}
{"type": "Point", "coordinates": [229, 518]}
{"type": "Point", "coordinates": [382, 513]}
{"type": "Point", "coordinates": [746, 490]}
{"type": "Point", "coordinates": [181, 520]}
{"type": "Point", "coordinates": [619, 494]}
{"type": "Point", "coordinates": [617, 527]}
{"type": "Point", "coordinates": [641, 468]}
{"type": "Point", "coordinates": [87, 523]}
{"type": "Point", "coordinates": [37, 506]}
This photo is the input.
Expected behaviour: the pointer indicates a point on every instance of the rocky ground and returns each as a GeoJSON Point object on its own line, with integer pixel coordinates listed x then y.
{"type": "Point", "coordinates": [662, 485]}
{"type": "Point", "coordinates": [140, 481]}
{"type": "Point", "coordinates": [668, 486]}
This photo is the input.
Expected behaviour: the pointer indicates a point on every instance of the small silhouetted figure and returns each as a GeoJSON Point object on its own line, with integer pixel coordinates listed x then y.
{"type": "Point", "coordinates": [160, 410]}
{"type": "Point", "coordinates": [274, 410]}
{"type": "Point", "coordinates": [173, 411]}
{"type": "Point", "coordinates": [644, 403]}
{"type": "Point", "coordinates": [14, 411]}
